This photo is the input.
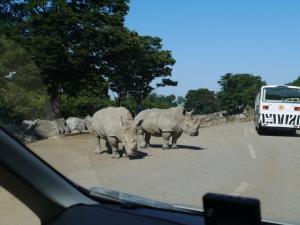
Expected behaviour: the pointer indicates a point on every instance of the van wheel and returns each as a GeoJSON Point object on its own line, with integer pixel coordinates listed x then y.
{"type": "Point", "coordinates": [260, 130]}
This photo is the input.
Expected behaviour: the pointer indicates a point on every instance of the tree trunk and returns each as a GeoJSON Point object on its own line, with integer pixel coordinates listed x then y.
{"type": "Point", "coordinates": [138, 100]}
{"type": "Point", "coordinates": [52, 107]}
{"type": "Point", "coordinates": [119, 99]}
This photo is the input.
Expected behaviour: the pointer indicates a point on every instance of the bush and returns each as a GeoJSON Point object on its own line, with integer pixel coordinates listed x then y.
{"type": "Point", "coordinates": [82, 105]}
{"type": "Point", "coordinates": [17, 104]}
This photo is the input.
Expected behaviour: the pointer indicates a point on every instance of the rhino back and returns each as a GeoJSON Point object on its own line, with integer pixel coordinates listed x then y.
{"type": "Point", "coordinates": [160, 120]}
{"type": "Point", "coordinates": [107, 122]}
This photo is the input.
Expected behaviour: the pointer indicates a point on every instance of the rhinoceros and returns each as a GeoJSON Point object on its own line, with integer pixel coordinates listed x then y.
{"type": "Point", "coordinates": [115, 125]}
{"type": "Point", "coordinates": [165, 123]}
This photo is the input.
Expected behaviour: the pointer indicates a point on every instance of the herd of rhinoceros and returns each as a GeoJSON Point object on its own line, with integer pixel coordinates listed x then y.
{"type": "Point", "coordinates": [116, 125]}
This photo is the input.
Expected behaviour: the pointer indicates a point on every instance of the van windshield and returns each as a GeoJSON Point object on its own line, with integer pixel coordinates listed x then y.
{"type": "Point", "coordinates": [281, 94]}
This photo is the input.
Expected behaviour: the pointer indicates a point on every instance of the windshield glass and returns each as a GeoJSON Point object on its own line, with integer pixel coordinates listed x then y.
{"type": "Point", "coordinates": [157, 98]}
{"type": "Point", "coordinates": [282, 94]}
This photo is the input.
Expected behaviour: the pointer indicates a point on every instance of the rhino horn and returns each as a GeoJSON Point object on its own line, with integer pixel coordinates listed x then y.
{"type": "Point", "coordinates": [190, 113]}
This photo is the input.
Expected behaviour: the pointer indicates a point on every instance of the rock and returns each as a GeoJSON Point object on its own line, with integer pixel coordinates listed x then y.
{"type": "Point", "coordinates": [241, 116]}
{"type": "Point", "coordinates": [26, 126]}
{"type": "Point", "coordinates": [29, 138]}
{"type": "Point", "coordinates": [63, 128]}
{"type": "Point", "coordinates": [75, 123]}
{"type": "Point", "coordinates": [67, 129]}
{"type": "Point", "coordinates": [46, 129]}
{"type": "Point", "coordinates": [87, 122]}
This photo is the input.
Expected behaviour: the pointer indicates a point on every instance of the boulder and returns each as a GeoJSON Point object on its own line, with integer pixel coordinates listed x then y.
{"type": "Point", "coordinates": [63, 128]}
{"type": "Point", "coordinates": [46, 129]}
{"type": "Point", "coordinates": [88, 122]}
{"type": "Point", "coordinates": [29, 138]}
{"type": "Point", "coordinates": [241, 116]}
{"type": "Point", "coordinates": [26, 126]}
{"type": "Point", "coordinates": [75, 124]}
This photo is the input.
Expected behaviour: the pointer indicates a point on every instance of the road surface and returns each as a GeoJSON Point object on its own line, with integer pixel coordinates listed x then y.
{"type": "Point", "coordinates": [228, 159]}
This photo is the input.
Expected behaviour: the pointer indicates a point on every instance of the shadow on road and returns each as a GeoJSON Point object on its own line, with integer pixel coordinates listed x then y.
{"type": "Point", "coordinates": [140, 155]}
{"type": "Point", "coordinates": [280, 134]}
{"type": "Point", "coordinates": [188, 147]}
{"type": "Point", "coordinates": [105, 151]}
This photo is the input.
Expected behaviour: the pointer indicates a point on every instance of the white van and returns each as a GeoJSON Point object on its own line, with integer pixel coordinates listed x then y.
{"type": "Point", "coordinates": [277, 107]}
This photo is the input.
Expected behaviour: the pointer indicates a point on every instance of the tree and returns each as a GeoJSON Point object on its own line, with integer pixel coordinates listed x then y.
{"type": "Point", "coordinates": [238, 91]}
{"type": "Point", "coordinates": [203, 101]}
{"type": "Point", "coordinates": [180, 101]}
{"type": "Point", "coordinates": [67, 39]}
{"type": "Point", "coordinates": [296, 82]}
{"type": "Point", "coordinates": [153, 100]}
{"type": "Point", "coordinates": [21, 91]}
{"type": "Point", "coordinates": [134, 63]}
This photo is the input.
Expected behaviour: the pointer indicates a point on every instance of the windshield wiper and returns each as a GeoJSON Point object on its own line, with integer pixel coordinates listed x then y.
{"type": "Point", "coordinates": [133, 201]}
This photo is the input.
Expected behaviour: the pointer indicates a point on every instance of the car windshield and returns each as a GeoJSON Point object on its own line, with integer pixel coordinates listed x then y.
{"type": "Point", "coordinates": [282, 94]}
{"type": "Point", "coordinates": [156, 98]}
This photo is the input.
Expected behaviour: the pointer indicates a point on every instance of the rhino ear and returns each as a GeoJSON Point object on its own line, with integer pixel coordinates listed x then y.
{"type": "Point", "coordinates": [125, 123]}
{"type": "Point", "coordinates": [139, 123]}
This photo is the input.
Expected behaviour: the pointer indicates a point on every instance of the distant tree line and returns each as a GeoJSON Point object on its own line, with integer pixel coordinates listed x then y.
{"type": "Point", "coordinates": [237, 92]}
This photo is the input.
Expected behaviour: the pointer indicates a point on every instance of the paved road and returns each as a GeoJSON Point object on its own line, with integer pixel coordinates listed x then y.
{"type": "Point", "coordinates": [229, 159]}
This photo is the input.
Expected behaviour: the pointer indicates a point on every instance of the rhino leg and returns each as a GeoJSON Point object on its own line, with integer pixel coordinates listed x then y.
{"type": "Point", "coordinates": [141, 141]}
{"type": "Point", "coordinates": [109, 149]}
{"type": "Point", "coordinates": [113, 142]}
{"type": "Point", "coordinates": [174, 140]}
{"type": "Point", "coordinates": [147, 139]}
{"type": "Point", "coordinates": [98, 150]}
{"type": "Point", "coordinates": [166, 137]}
{"type": "Point", "coordinates": [141, 138]}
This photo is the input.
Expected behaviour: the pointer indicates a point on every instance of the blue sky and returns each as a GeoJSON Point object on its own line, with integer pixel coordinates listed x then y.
{"type": "Point", "coordinates": [209, 38]}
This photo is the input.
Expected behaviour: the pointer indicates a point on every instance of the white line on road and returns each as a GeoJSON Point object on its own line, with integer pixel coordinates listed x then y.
{"type": "Point", "coordinates": [246, 133]}
{"type": "Point", "coordinates": [252, 151]}
{"type": "Point", "coordinates": [240, 189]}
{"type": "Point", "coordinates": [251, 130]}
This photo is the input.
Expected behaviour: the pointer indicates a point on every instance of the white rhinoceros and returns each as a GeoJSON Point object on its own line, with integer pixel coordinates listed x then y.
{"type": "Point", "coordinates": [115, 125]}
{"type": "Point", "coordinates": [165, 123]}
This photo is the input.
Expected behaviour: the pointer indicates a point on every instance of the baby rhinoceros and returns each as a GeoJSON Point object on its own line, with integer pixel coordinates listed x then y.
{"type": "Point", "coordinates": [115, 125]}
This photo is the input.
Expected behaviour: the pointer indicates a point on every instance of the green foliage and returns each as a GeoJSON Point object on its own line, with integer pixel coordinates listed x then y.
{"type": "Point", "coordinates": [82, 106]}
{"type": "Point", "coordinates": [180, 101]}
{"type": "Point", "coordinates": [18, 104]}
{"type": "Point", "coordinates": [296, 82]}
{"type": "Point", "coordinates": [159, 101]}
{"type": "Point", "coordinates": [153, 100]}
{"type": "Point", "coordinates": [238, 91]}
{"type": "Point", "coordinates": [203, 101]}
{"type": "Point", "coordinates": [134, 62]}
{"type": "Point", "coordinates": [66, 39]}
{"type": "Point", "coordinates": [21, 92]}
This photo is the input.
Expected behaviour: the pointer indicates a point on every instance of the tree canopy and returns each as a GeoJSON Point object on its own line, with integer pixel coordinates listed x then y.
{"type": "Point", "coordinates": [66, 39]}
{"type": "Point", "coordinates": [295, 82]}
{"type": "Point", "coordinates": [134, 62]}
{"type": "Point", "coordinates": [238, 91]}
{"type": "Point", "coordinates": [21, 90]}
{"type": "Point", "coordinates": [82, 47]}
{"type": "Point", "coordinates": [202, 101]}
